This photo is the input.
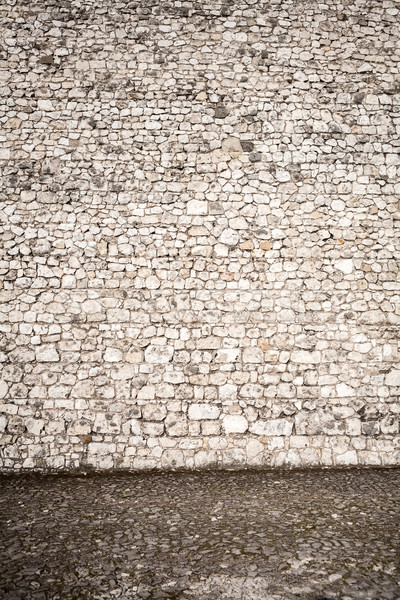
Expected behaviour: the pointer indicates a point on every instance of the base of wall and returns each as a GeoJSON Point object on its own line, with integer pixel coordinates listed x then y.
{"type": "Point", "coordinates": [214, 452]}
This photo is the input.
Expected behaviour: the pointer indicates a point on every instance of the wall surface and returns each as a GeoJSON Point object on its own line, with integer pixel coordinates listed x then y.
{"type": "Point", "coordinates": [199, 233]}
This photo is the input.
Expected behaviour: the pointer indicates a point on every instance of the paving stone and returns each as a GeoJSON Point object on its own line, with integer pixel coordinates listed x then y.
{"type": "Point", "coordinates": [200, 535]}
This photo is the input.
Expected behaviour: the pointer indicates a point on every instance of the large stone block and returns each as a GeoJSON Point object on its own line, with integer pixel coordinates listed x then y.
{"type": "Point", "coordinates": [199, 412]}
{"type": "Point", "coordinates": [235, 424]}
{"type": "Point", "coordinates": [158, 354]}
{"type": "Point", "coordinates": [273, 427]}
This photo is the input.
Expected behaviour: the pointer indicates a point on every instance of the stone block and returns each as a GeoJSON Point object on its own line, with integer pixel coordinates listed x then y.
{"type": "Point", "coordinates": [273, 427]}
{"type": "Point", "coordinates": [47, 354]}
{"type": "Point", "coordinates": [158, 354]}
{"type": "Point", "coordinates": [199, 412]}
{"type": "Point", "coordinates": [234, 424]}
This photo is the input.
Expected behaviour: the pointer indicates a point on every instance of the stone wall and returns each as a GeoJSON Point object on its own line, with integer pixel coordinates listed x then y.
{"type": "Point", "coordinates": [199, 233]}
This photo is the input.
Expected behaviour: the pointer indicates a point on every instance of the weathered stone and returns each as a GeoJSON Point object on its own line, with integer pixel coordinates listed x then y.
{"type": "Point", "coordinates": [81, 427]}
{"type": "Point", "coordinates": [198, 412]}
{"type": "Point", "coordinates": [154, 412]}
{"type": "Point", "coordinates": [347, 459]}
{"type": "Point", "coordinates": [68, 281]}
{"type": "Point", "coordinates": [91, 306]}
{"type": "Point", "coordinates": [3, 423]}
{"type": "Point", "coordinates": [47, 354]}
{"type": "Point", "coordinates": [158, 354]}
{"type": "Point", "coordinates": [232, 146]}
{"type": "Point", "coordinates": [252, 391]}
{"type": "Point", "coordinates": [116, 315]}
{"type": "Point", "coordinates": [101, 449]}
{"type": "Point", "coordinates": [221, 112]}
{"type": "Point", "coordinates": [112, 355]}
{"type": "Point", "coordinates": [229, 237]}
{"type": "Point", "coordinates": [83, 389]}
{"type": "Point", "coordinates": [106, 423]}
{"type": "Point", "coordinates": [253, 355]}
{"type": "Point", "coordinates": [147, 392]}
{"type": "Point", "coordinates": [345, 265]}
{"type": "Point", "coordinates": [228, 391]}
{"type": "Point", "coordinates": [209, 343]}
{"type": "Point", "coordinates": [344, 390]}
{"type": "Point", "coordinates": [253, 449]}
{"type": "Point", "coordinates": [266, 245]}
{"type": "Point", "coordinates": [34, 426]}
{"type": "Point", "coordinates": [238, 223]}
{"type": "Point", "coordinates": [274, 427]}
{"type": "Point", "coordinates": [227, 355]}
{"type": "Point", "coordinates": [248, 245]}
{"type": "Point", "coordinates": [46, 59]}
{"type": "Point", "coordinates": [305, 357]}
{"type": "Point", "coordinates": [3, 389]}
{"type": "Point", "coordinates": [152, 283]}
{"type": "Point", "coordinates": [247, 146]}
{"type": "Point", "coordinates": [393, 378]}
{"type": "Point", "coordinates": [176, 425]}
{"type": "Point", "coordinates": [234, 424]}
{"type": "Point", "coordinates": [123, 372]}
{"type": "Point", "coordinates": [172, 458]}
{"type": "Point", "coordinates": [202, 245]}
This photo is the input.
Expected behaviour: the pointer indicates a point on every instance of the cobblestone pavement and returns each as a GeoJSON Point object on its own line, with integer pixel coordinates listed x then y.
{"type": "Point", "coordinates": [201, 535]}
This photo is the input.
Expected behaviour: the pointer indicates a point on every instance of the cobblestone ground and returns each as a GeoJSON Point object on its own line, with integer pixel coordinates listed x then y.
{"type": "Point", "coordinates": [201, 535]}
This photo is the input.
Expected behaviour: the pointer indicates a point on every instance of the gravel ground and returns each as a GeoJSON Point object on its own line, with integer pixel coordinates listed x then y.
{"type": "Point", "coordinates": [247, 535]}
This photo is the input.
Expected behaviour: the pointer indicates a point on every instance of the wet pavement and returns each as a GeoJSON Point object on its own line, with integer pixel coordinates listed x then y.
{"type": "Point", "coordinates": [250, 535]}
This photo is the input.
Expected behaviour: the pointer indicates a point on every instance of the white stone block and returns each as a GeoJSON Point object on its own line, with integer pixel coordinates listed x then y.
{"type": "Point", "coordinates": [343, 390]}
{"type": "Point", "coordinates": [147, 392]}
{"type": "Point", "coordinates": [47, 354]}
{"type": "Point", "coordinates": [347, 459]}
{"type": "Point", "coordinates": [91, 306]}
{"type": "Point", "coordinates": [158, 354]}
{"type": "Point", "coordinates": [197, 207]}
{"type": "Point", "coordinates": [198, 412]}
{"type": "Point", "coordinates": [235, 424]}
{"type": "Point", "coordinates": [3, 389]}
{"type": "Point", "coordinates": [101, 449]}
{"type": "Point", "coordinates": [34, 426]}
{"type": "Point", "coordinates": [112, 355]}
{"type": "Point", "coordinates": [83, 389]}
{"type": "Point", "coordinates": [345, 265]}
{"type": "Point", "coordinates": [306, 357]}
{"type": "Point", "coordinates": [253, 354]}
{"type": "Point", "coordinates": [126, 371]}
{"type": "Point", "coordinates": [152, 282]}
{"type": "Point", "coordinates": [227, 355]}
{"type": "Point", "coordinates": [393, 378]}
{"type": "Point", "coordinates": [68, 281]}
{"type": "Point", "coordinates": [154, 412]}
{"type": "Point", "coordinates": [228, 391]}
{"type": "Point", "coordinates": [274, 427]}
{"type": "Point", "coordinates": [229, 237]}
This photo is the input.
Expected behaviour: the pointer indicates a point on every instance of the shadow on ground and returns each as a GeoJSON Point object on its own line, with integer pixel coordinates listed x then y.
{"type": "Point", "coordinates": [250, 535]}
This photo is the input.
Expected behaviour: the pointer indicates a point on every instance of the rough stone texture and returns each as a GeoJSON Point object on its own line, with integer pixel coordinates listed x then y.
{"type": "Point", "coordinates": [199, 234]}
{"type": "Point", "coordinates": [252, 535]}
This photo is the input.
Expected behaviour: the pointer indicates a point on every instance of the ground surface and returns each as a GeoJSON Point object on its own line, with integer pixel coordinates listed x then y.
{"type": "Point", "coordinates": [208, 535]}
